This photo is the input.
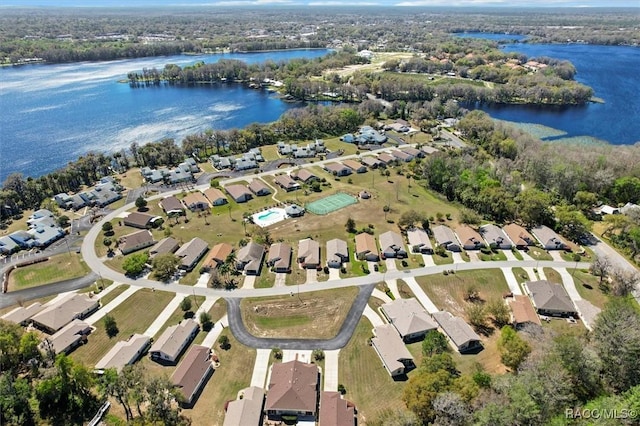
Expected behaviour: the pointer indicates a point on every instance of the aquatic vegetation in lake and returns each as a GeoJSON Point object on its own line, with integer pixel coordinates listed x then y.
{"type": "Point", "coordinates": [536, 130]}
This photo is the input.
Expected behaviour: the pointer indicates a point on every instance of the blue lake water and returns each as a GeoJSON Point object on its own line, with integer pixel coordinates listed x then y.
{"type": "Point", "coordinates": [51, 114]}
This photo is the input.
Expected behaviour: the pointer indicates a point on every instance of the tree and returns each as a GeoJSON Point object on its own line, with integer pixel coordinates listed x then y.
{"type": "Point", "coordinates": [107, 228]}
{"type": "Point", "coordinates": [513, 348]}
{"type": "Point", "coordinates": [470, 217]}
{"type": "Point", "coordinates": [434, 343]}
{"type": "Point", "coordinates": [350, 225]}
{"type": "Point", "coordinates": [110, 325]}
{"type": "Point", "coordinates": [165, 266]}
{"type": "Point", "coordinates": [107, 243]}
{"type": "Point", "coordinates": [223, 341]}
{"type": "Point", "coordinates": [277, 353]}
{"type": "Point", "coordinates": [386, 209]}
{"type": "Point", "coordinates": [585, 200]}
{"type": "Point", "coordinates": [624, 281]}
{"type": "Point", "coordinates": [499, 311]}
{"type": "Point", "coordinates": [135, 263]}
{"type": "Point", "coordinates": [342, 389]}
{"type": "Point", "coordinates": [185, 305]}
{"type": "Point", "coordinates": [601, 267]}
{"type": "Point", "coordinates": [141, 203]}
{"type": "Point", "coordinates": [63, 221]}
{"type": "Point", "coordinates": [422, 389]}
{"type": "Point", "coordinates": [161, 402]}
{"type": "Point", "coordinates": [471, 294]}
{"type": "Point", "coordinates": [115, 385]}
{"type": "Point", "coordinates": [205, 321]}
{"type": "Point", "coordinates": [318, 354]}
{"type": "Point", "coordinates": [409, 218]}
{"type": "Point", "coordinates": [534, 207]}
{"type": "Point", "coordinates": [451, 410]}
{"type": "Point", "coordinates": [15, 393]}
{"type": "Point", "coordinates": [572, 223]}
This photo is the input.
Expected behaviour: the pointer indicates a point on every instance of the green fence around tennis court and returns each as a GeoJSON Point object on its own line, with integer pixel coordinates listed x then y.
{"type": "Point", "coordinates": [331, 203]}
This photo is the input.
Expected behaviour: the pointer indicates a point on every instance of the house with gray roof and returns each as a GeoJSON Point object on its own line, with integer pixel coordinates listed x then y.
{"type": "Point", "coordinates": [549, 239]}
{"type": "Point", "coordinates": [279, 257]}
{"type": "Point", "coordinates": [124, 353]}
{"type": "Point", "coordinates": [22, 315]}
{"type": "Point", "coordinates": [140, 220]}
{"type": "Point", "coordinates": [446, 238]}
{"type": "Point", "coordinates": [8, 245]}
{"type": "Point", "coordinates": [460, 334]}
{"type": "Point", "coordinates": [247, 410]}
{"type": "Point", "coordinates": [371, 162]}
{"type": "Point", "coordinates": [55, 316]}
{"type": "Point", "coordinates": [495, 237]}
{"type": "Point", "coordinates": [550, 299]}
{"type": "Point", "coordinates": [293, 210]}
{"type": "Point", "coordinates": [309, 253]}
{"type": "Point", "coordinates": [337, 169]}
{"type": "Point", "coordinates": [287, 183]}
{"type": "Point", "coordinates": [293, 391]}
{"type": "Point", "coordinates": [239, 193]}
{"type": "Point", "coordinates": [337, 253]}
{"type": "Point", "coordinates": [392, 245]}
{"type": "Point", "coordinates": [164, 246]}
{"type": "Point", "coordinates": [409, 318]}
{"type": "Point", "coordinates": [419, 241]}
{"type": "Point", "coordinates": [68, 337]}
{"type": "Point", "coordinates": [191, 253]}
{"type": "Point", "coordinates": [415, 153]}
{"type": "Point", "coordinates": [171, 343]}
{"type": "Point", "coordinates": [135, 241]}
{"type": "Point", "coordinates": [395, 356]}
{"type": "Point", "coordinates": [402, 156]}
{"type": "Point", "coordinates": [259, 188]}
{"type": "Point", "coordinates": [249, 258]}
{"type": "Point", "coordinates": [245, 163]}
{"type": "Point", "coordinates": [171, 206]}
{"type": "Point", "coordinates": [386, 159]}
{"type": "Point", "coordinates": [192, 373]}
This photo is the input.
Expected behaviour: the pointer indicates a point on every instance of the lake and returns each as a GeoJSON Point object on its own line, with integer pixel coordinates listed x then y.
{"type": "Point", "coordinates": [51, 114]}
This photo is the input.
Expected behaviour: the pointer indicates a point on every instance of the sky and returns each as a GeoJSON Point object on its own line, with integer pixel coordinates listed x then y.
{"type": "Point", "coordinates": [356, 3]}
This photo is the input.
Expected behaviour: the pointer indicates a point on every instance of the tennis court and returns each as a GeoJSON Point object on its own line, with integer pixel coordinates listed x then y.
{"type": "Point", "coordinates": [331, 203]}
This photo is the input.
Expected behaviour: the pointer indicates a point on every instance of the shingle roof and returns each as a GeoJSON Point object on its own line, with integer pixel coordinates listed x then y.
{"type": "Point", "coordinates": [390, 347]}
{"type": "Point", "coordinates": [138, 219]}
{"type": "Point", "coordinates": [519, 235]}
{"type": "Point", "coordinates": [494, 235]}
{"type": "Point", "coordinates": [285, 181]}
{"type": "Point", "coordinates": [194, 198]}
{"type": "Point", "coordinates": [124, 352]}
{"type": "Point", "coordinates": [337, 250]}
{"type": "Point", "coordinates": [245, 411]}
{"type": "Point", "coordinates": [444, 235]}
{"type": "Point", "coordinates": [165, 245]}
{"type": "Point", "coordinates": [304, 175]}
{"type": "Point", "coordinates": [64, 311]}
{"type": "Point", "coordinates": [192, 251]}
{"type": "Point", "coordinates": [251, 255]}
{"type": "Point", "coordinates": [391, 240]}
{"type": "Point", "coordinates": [68, 335]}
{"type": "Point", "coordinates": [550, 296]}
{"type": "Point", "coordinates": [135, 239]}
{"type": "Point", "coordinates": [237, 191]}
{"type": "Point", "coordinates": [20, 314]}
{"type": "Point", "coordinates": [293, 386]}
{"type": "Point", "coordinates": [418, 238]}
{"type": "Point", "coordinates": [335, 411]}
{"type": "Point", "coordinates": [458, 331]}
{"type": "Point", "coordinates": [548, 237]}
{"type": "Point", "coordinates": [191, 371]}
{"type": "Point", "coordinates": [173, 338]}
{"type": "Point", "coordinates": [408, 316]}
{"type": "Point", "coordinates": [523, 310]}
{"type": "Point", "coordinates": [214, 194]}
{"type": "Point", "coordinates": [171, 204]}
{"type": "Point", "coordinates": [279, 255]}
{"type": "Point", "coordinates": [257, 185]}
{"type": "Point", "coordinates": [365, 243]}
{"type": "Point", "coordinates": [309, 251]}
{"type": "Point", "coordinates": [218, 254]}
{"type": "Point", "coordinates": [468, 236]}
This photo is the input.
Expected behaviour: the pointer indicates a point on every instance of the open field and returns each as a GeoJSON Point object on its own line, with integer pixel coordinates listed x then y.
{"type": "Point", "coordinates": [375, 65]}
{"type": "Point", "coordinates": [17, 224]}
{"type": "Point", "coordinates": [130, 319]}
{"type": "Point", "coordinates": [588, 287]}
{"type": "Point", "coordinates": [57, 268]}
{"type": "Point", "coordinates": [317, 315]}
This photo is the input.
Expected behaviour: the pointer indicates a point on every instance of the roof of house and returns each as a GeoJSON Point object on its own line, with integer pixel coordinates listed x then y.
{"type": "Point", "coordinates": [280, 255]}
{"type": "Point", "coordinates": [172, 339]}
{"type": "Point", "coordinates": [135, 239]}
{"type": "Point", "coordinates": [412, 151]}
{"type": "Point", "coordinates": [385, 158]}
{"type": "Point", "coordinates": [171, 203]}
{"type": "Point", "coordinates": [467, 235]}
{"type": "Point", "coordinates": [194, 198]}
{"type": "Point", "coordinates": [408, 316]}
{"type": "Point", "coordinates": [68, 335]}
{"type": "Point", "coordinates": [444, 235]}
{"type": "Point", "coordinates": [337, 248]}
{"type": "Point", "coordinates": [214, 194]}
{"type": "Point", "coordinates": [309, 251]}
{"type": "Point", "coordinates": [401, 155]}
{"type": "Point", "coordinates": [391, 240]}
{"type": "Point", "coordinates": [286, 181]}
{"type": "Point", "coordinates": [194, 366]}
{"type": "Point", "coordinates": [218, 254]}
{"type": "Point", "coordinates": [548, 236]}
{"type": "Point", "coordinates": [390, 347]}
{"type": "Point", "coordinates": [523, 311]}
{"type": "Point", "coordinates": [251, 254]}
{"type": "Point", "coordinates": [192, 251]}
{"type": "Point", "coordinates": [370, 161]}
{"type": "Point", "coordinates": [237, 191]}
{"type": "Point", "coordinates": [352, 164]}
{"type": "Point", "coordinates": [549, 296]}
{"type": "Point", "coordinates": [245, 411]}
{"type": "Point", "coordinates": [493, 234]}
{"type": "Point", "coordinates": [304, 175]}
{"type": "Point", "coordinates": [20, 314]}
{"type": "Point", "coordinates": [64, 311]}
{"type": "Point", "coordinates": [365, 243]}
{"type": "Point", "coordinates": [335, 411]}
{"type": "Point", "coordinates": [336, 167]}
{"type": "Point", "coordinates": [138, 219]}
{"type": "Point", "coordinates": [458, 331]}
{"type": "Point", "coordinates": [257, 185]}
{"type": "Point", "coordinates": [124, 352]}
{"type": "Point", "coordinates": [519, 235]}
{"type": "Point", "coordinates": [165, 245]}
{"type": "Point", "coordinates": [418, 237]}
{"type": "Point", "coordinates": [293, 386]}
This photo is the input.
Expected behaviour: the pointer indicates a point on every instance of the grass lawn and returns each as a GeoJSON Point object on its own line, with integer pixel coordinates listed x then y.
{"type": "Point", "coordinates": [517, 254]}
{"type": "Point", "coordinates": [57, 268]}
{"type": "Point", "coordinates": [266, 279]}
{"type": "Point", "coordinates": [178, 314]}
{"type": "Point", "coordinates": [130, 319]}
{"type": "Point", "coordinates": [496, 255]}
{"type": "Point", "coordinates": [17, 224]}
{"type": "Point", "coordinates": [317, 315]}
{"type": "Point", "coordinates": [404, 290]}
{"type": "Point", "coordinates": [588, 287]}
{"type": "Point", "coordinates": [447, 259]}
{"type": "Point", "coordinates": [538, 254]}
{"type": "Point", "coordinates": [552, 275]}
{"type": "Point", "coordinates": [335, 144]}
{"type": "Point", "coordinates": [521, 275]}
{"type": "Point", "coordinates": [218, 310]}
{"type": "Point", "coordinates": [296, 276]}
{"type": "Point", "coordinates": [104, 301]}
{"type": "Point", "coordinates": [234, 374]}
{"type": "Point", "coordinates": [131, 179]}
{"type": "Point", "coordinates": [489, 357]}
{"type": "Point", "coordinates": [270, 152]}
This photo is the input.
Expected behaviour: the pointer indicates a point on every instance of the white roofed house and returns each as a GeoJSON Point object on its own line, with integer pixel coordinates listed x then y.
{"type": "Point", "coordinates": [191, 252]}
{"type": "Point", "coordinates": [171, 343]}
{"type": "Point", "coordinates": [395, 356]}
{"type": "Point", "coordinates": [495, 237]}
{"type": "Point", "coordinates": [419, 241]}
{"type": "Point", "coordinates": [337, 253]}
{"type": "Point", "coordinates": [548, 238]}
{"type": "Point", "coordinates": [409, 318]}
{"type": "Point", "coordinates": [460, 334]}
{"type": "Point", "coordinates": [392, 245]}
{"type": "Point", "coordinates": [309, 253]}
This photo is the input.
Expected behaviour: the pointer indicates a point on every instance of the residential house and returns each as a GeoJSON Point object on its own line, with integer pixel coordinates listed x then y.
{"type": "Point", "coordinates": [68, 337]}
{"type": "Point", "coordinates": [293, 391]}
{"type": "Point", "coordinates": [22, 315]}
{"type": "Point", "coordinates": [247, 410]}
{"type": "Point", "coordinates": [386, 159]}
{"type": "Point", "coordinates": [348, 138]}
{"type": "Point", "coordinates": [190, 164]}
{"type": "Point", "coordinates": [196, 201]}
{"type": "Point", "coordinates": [629, 208]}
{"type": "Point", "coordinates": [460, 334]}
{"type": "Point", "coordinates": [171, 206]}
{"type": "Point", "coordinates": [519, 236]}
{"type": "Point", "coordinates": [124, 353]}
{"type": "Point", "coordinates": [337, 169]}
{"type": "Point", "coordinates": [22, 239]}
{"type": "Point", "coordinates": [469, 238]}
{"type": "Point", "coordinates": [548, 238]}
{"type": "Point", "coordinates": [239, 193]}
{"type": "Point", "coordinates": [41, 217]}
{"type": "Point", "coordinates": [402, 156]}
{"type": "Point", "coordinates": [522, 312]}
{"type": "Point", "coordinates": [43, 235]}
{"type": "Point", "coordinates": [217, 255]}
{"type": "Point", "coordinates": [419, 241]}
{"type": "Point", "coordinates": [178, 175]}
{"type": "Point", "coordinates": [165, 245]}
{"type": "Point", "coordinates": [605, 210]}
{"type": "Point", "coordinates": [279, 257]}
{"type": "Point", "coordinates": [335, 411]}
{"type": "Point", "coordinates": [371, 162]}
{"type": "Point", "coordinates": [245, 163]}
{"type": "Point", "coordinates": [337, 253]}
{"type": "Point", "coordinates": [409, 318]}
{"type": "Point", "coordinates": [415, 153]}
{"type": "Point", "coordinates": [102, 195]}
{"type": "Point", "coordinates": [392, 245]}
{"type": "Point", "coordinates": [355, 166]}
{"type": "Point", "coordinates": [495, 237]}
{"type": "Point", "coordinates": [151, 175]}
{"type": "Point", "coordinates": [220, 162]}
{"type": "Point", "coordinates": [368, 135]}
{"type": "Point", "coordinates": [55, 316]}
{"type": "Point", "coordinates": [395, 356]}
{"type": "Point", "coordinates": [287, 183]}
{"type": "Point", "coordinates": [215, 196]}
{"type": "Point", "coordinates": [309, 253]}
{"type": "Point", "coordinates": [140, 220]}
{"type": "Point", "coordinates": [446, 238]}
{"type": "Point", "coordinates": [305, 152]}
{"type": "Point", "coordinates": [550, 299]}
{"type": "Point", "coordinates": [171, 343]}
{"type": "Point", "coordinates": [135, 241]}
{"type": "Point", "coordinates": [191, 253]}
{"type": "Point", "coordinates": [366, 248]}
{"type": "Point", "coordinates": [259, 188]}
{"type": "Point", "coordinates": [293, 210]}
{"type": "Point", "coordinates": [192, 373]}
{"type": "Point", "coordinates": [428, 150]}
{"type": "Point", "coordinates": [305, 175]}
{"type": "Point", "coordinates": [249, 259]}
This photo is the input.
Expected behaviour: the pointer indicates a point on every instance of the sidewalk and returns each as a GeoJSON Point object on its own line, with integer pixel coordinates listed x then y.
{"type": "Point", "coordinates": [380, 295]}
{"type": "Point", "coordinates": [393, 286]}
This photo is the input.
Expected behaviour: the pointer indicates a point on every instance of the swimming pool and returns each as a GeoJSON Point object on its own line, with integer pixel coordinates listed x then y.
{"type": "Point", "coordinates": [269, 217]}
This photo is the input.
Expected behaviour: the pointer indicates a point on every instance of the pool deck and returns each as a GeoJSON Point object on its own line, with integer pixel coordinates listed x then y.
{"type": "Point", "coordinates": [273, 215]}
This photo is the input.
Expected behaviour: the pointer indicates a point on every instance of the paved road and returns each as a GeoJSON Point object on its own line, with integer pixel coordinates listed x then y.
{"type": "Point", "coordinates": [351, 321]}
{"type": "Point", "coordinates": [603, 249]}
{"type": "Point", "coordinates": [12, 298]}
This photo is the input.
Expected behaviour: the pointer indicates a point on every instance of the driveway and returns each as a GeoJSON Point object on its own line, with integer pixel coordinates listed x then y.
{"type": "Point", "coordinates": [393, 286]}
{"type": "Point", "coordinates": [556, 255]}
{"type": "Point", "coordinates": [334, 274]}
{"type": "Point", "coordinates": [351, 321]}
{"type": "Point", "coordinates": [100, 313]}
{"type": "Point", "coordinates": [391, 264]}
{"type": "Point", "coordinates": [380, 295]}
{"type": "Point", "coordinates": [473, 256]}
{"type": "Point", "coordinates": [260, 368]}
{"type": "Point", "coordinates": [585, 309]}
{"type": "Point", "coordinates": [203, 280]}
{"type": "Point", "coordinates": [457, 257]}
{"type": "Point", "coordinates": [509, 255]}
{"type": "Point", "coordinates": [249, 281]}
{"type": "Point", "coordinates": [421, 295]}
{"type": "Point", "coordinates": [212, 336]}
{"type": "Point", "coordinates": [512, 282]}
{"type": "Point", "coordinates": [428, 260]}
{"type": "Point", "coordinates": [372, 316]}
{"type": "Point", "coordinates": [312, 276]}
{"type": "Point", "coordinates": [331, 370]}
{"type": "Point", "coordinates": [281, 280]}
